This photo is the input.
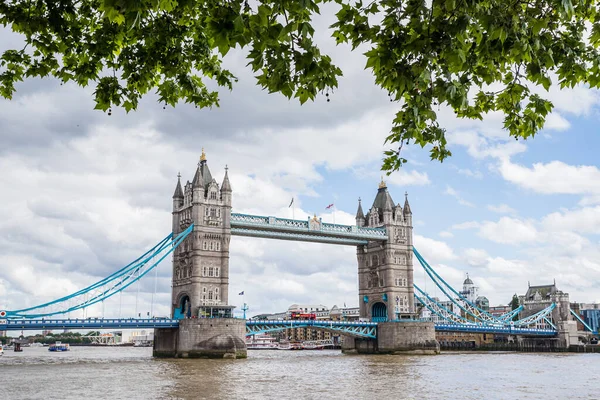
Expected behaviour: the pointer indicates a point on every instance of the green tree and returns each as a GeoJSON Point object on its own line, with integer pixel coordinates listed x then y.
{"type": "Point", "coordinates": [475, 56]}
{"type": "Point", "coordinates": [514, 304]}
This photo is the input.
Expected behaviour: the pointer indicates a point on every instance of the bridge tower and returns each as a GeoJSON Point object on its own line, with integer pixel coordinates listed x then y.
{"type": "Point", "coordinates": [201, 262]}
{"type": "Point", "coordinates": [201, 274]}
{"type": "Point", "coordinates": [385, 269]}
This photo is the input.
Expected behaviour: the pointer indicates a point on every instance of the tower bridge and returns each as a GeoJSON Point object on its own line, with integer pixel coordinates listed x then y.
{"type": "Point", "coordinates": [202, 322]}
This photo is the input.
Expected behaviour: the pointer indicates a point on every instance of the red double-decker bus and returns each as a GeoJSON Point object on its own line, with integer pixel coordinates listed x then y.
{"type": "Point", "coordinates": [299, 315]}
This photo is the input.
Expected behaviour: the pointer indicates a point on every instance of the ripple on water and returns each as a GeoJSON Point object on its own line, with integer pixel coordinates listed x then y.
{"type": "Point", "coordinates": [131, 373]}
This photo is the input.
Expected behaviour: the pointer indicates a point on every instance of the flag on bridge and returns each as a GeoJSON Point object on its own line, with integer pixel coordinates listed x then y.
{"type": "Point", "coordinates": [291, 202]}
{"type": "Point", "coordinates": [329, 206]}
{"type": "Point", "coordinates": [241, 293]}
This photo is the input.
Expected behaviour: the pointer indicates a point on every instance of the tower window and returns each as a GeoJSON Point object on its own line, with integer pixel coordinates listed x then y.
{"type": "Point", "coordinates": [213, 195]}
{"type": "Point", "coordinates": [213, 212]}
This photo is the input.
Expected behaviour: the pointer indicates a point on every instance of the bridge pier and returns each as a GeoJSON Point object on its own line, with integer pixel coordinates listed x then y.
{"type": "Point", "coordinates": [202, 338]}
{"type": "Point", "coordinates": [409, 338]}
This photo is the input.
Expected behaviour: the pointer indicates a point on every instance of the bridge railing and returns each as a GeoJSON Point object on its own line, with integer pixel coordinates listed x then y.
{"type": "Point", "coordinates": [305, 322]}
{"type": "Point", "coordinates": [262, 222]}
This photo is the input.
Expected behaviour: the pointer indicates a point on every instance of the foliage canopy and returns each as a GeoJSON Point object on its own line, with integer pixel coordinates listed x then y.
{"type": "Point", "coordinates": [476, 56]}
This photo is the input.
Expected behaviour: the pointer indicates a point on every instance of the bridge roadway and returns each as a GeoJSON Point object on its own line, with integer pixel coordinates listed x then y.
{"type": "Point", "coordinates": [253, 327]}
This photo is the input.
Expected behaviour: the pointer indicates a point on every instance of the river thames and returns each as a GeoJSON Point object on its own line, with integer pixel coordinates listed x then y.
{"type": "Point", "coordinates": [131, 373]}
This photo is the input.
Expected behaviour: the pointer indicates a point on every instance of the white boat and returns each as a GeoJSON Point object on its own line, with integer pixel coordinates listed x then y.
{"type": "Point", "coordinates": [261, 342]}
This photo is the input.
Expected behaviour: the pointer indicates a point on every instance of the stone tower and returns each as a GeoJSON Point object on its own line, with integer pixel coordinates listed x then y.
{"type": "Point", "coordinates": [385, 269]}
{"type": "Point", "coordinates": [201, 262]}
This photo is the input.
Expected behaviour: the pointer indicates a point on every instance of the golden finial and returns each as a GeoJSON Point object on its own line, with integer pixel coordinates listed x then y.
{"type": "Point", "coordinates": [315, 217]}
{"type": "Point", "coordinates": [382, 183]}
{"type": "Point", "coordinates": [203, 156]}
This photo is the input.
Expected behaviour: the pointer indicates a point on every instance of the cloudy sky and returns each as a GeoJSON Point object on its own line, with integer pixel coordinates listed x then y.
{"type": "Point", "coordinates": [84, 193]}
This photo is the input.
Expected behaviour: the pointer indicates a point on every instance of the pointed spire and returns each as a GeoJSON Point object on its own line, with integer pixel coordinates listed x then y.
{"type": "Point", "coordinates": [198, 181]}
{"type": "Point", "coordinates": [178, 192]}
{"type": "Point", "coordinates": [226, 186]}
{"type": "Point", "coordinates": [406, 205]}
{"type": "Point", "coordinates": [359, 212]}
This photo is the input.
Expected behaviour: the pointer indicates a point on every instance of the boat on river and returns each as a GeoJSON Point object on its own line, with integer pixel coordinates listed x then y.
{"type": "Point", "coordinates": [58, 346]}
{"type": "Point", "coordinates": [261, 342]}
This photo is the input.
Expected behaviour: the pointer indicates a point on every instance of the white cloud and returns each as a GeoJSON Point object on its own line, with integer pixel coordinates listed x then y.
{"type": "Point", "coordinates": [452, 192]}
{"type": "Point", "coordinates": [584, 220]}
{"type": "Point", "coordinates": [470, 173]}
{"type": "Point", "coordinates": [446, 234]}
{"type": "Point", "coordinates": [509, 231]}
{"type": "Point", "coordinates": [501, 209]}
{"type": "Point", "coordinates": [553, 177]}
{"type": "Point", "coordinates": [466, 225]}
{"type": "Point", "coordinates": [556, 122]}
{"type": "Point", "coordinates": [476, 257]}
{"type": "Point", "coordinates": [433, 250]}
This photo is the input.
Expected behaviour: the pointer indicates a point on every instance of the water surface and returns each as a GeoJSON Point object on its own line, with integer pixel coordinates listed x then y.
{"type": "Point", "coordinates": [131, 373]}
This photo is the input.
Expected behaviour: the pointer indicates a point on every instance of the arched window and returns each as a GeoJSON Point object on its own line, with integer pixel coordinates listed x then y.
{"type": "Point", "coordinates": [218, 246]}
{"type": "Point", "coordinates": [217, 271]}
{"type": "Point", "coordinates": [204, 245]}
{"type": "Point", "coordinates": [213, 195]}
{"type": "Point", "coordinates": [210, 271]}
{"type": "Point", "coordinates": [375, 260]}
{"type": "Point", "coordinates": [213, 212]}
{"type": "Point", "coordinates": [218, 212]}
{"type": "Point", "coordinates": [206, 212]}
{"type": "Point", "coordinates": [211, 245]}
{"type": "Point", "coordinates": [203, 271]}
{"type": "Point", "coordinates": [210, 295]}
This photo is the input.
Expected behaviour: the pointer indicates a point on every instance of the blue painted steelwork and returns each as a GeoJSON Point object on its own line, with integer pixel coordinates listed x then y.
{"type": "Point", "coordinates": [357, 329]}
{"type": "Point", "coordinates": [589, 328]}
{"type": "Point", "coordinates": [43, 324]}
{"type": "Point", "coordinates": [494, 329]}
{"type": "Point", "coordinates": [108, 286]}
{"type": "Point", "coordinates": [260, 226]}
{"type": "Point", "coordinates": [509, 315]}
{"type": "Point", "coordinates": [379, 312]}
{"type": "Point", "coordinates": [438, 309]}
{"type": "Point", "coordinates": [253, 327]}
{"type": "Point", "coordinates": [535, 318]}
{"type": "Point", "coordinates": [461, 302]}
{"type": "Point", "coordinates": [305, 237]}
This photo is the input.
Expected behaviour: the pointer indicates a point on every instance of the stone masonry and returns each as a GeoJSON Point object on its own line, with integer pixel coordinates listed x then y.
{"type": "Point", "coordinates": [385, 269]}
{"type": "Point", "coordinates": [201, 262]}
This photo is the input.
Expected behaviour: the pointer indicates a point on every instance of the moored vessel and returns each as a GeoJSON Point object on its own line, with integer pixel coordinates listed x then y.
{"type": "Point", "coordinates": [261, 342]}
{"type": "Point", "coordinates": [58, 346]}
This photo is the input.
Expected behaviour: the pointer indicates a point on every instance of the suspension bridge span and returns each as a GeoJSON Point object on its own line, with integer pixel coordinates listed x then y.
{"type": "Point", "coordinates": [202, 320]}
